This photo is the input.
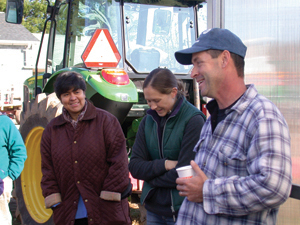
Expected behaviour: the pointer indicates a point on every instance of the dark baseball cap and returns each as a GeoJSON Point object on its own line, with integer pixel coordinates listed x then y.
{"type": "Point", "coordinates": [215, 38]}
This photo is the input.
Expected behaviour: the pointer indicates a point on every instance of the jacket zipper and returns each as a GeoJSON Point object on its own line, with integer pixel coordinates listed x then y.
{"type": "Point", "coordinates": [162, 155]}
{"type": "Point", "coordinates": [172, 207]}
{"type": "Point", "coordinates": [162, 138]}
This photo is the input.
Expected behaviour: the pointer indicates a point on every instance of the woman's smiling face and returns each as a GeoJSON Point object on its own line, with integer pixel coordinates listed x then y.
{"type": "Point", "coordinates": [161, 103]}
{"type": "Point", "coordinates": [73, 101]}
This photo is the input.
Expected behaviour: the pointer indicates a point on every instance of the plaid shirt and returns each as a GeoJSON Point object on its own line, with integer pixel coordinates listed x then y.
{"type": "Point", "coordinates": [248, 164]}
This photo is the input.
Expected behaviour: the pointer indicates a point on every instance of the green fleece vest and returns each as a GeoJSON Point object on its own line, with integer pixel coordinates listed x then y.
{"type": "Point", "coordinates": [171, 143]}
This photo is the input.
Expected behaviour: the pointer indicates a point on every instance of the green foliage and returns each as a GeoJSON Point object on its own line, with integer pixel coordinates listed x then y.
{"type": "Point", "coordinates": [2, 5]}
{"type": "Point", "coordinates": [34, 15]}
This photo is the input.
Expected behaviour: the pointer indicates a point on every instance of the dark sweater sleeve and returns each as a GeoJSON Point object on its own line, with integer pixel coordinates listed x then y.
{"type": "Point", "coordinates": [190, 138]}
{"type": "Point", "coordinates": [140, 165]}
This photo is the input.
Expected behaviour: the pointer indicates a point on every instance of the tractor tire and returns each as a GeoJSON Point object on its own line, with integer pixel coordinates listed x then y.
{"type": "Point", "coordinates": [30, 201]}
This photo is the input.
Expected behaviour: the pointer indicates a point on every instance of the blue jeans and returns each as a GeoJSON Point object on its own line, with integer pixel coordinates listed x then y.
{"type": "Point", "coordinates": [154, 219]}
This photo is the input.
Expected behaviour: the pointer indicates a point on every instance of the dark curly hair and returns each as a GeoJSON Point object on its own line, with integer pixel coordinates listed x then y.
{"type": "Point", "coordinates": [67, 81]}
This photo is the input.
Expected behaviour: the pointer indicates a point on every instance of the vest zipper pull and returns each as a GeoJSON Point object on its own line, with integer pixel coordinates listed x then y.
{"type": "Point", "coordinates": [173, 212]}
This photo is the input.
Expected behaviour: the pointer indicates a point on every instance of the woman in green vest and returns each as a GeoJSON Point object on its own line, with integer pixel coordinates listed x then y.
{"type": "Point", "coordinates": [165, 141]}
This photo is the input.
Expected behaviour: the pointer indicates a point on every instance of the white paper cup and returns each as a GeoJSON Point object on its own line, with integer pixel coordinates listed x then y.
{"type": "Point", "coordinates": [185, 172]}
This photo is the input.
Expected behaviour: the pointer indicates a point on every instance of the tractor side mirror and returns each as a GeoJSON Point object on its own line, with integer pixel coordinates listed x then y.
{"type": "Point", "coordinates": [14, 11]}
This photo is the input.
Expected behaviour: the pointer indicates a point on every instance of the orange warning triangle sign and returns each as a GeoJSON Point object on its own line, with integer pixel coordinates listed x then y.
{"type": "Point", "coordinates": [101, 51]}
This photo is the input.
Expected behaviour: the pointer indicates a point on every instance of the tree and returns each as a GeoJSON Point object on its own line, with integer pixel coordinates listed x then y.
{"type": "Point", "coordinates": [2, 5]}
{"type": "Point", "coordinates": [34, 14]}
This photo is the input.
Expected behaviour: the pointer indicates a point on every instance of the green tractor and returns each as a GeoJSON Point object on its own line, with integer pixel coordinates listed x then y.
{"type": "Point", "coordinates": [139, 36]}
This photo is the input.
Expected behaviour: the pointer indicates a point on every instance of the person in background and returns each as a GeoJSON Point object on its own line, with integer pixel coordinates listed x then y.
{"type": "Point", "coordinates": [12, 158]}
{"type": "Point", "coordinates": [165, 140]}
{"type": "Point", "coordinates": [1, 186]}
{"type": "Point", "coordinates": [243, 157]}
{"type": "Point", "coordinates": [84, 160]}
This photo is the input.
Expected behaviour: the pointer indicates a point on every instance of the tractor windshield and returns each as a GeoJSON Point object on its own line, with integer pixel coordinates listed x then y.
{"type": "Point", "coordinates": [85, 17]}
{"type": "Point", "coordinates": [153, 33]}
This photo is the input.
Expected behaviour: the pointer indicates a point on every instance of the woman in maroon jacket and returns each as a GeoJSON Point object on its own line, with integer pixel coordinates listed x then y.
{"type": "Point", "coordinates": [84, 160]}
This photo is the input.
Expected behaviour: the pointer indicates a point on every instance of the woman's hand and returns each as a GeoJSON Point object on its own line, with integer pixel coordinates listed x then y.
{"type": "Point", "coordinates": [170, 164]}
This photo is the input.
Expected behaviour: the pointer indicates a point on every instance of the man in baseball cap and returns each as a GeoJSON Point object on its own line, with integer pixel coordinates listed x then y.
{"type": "Point", "coordinates": [238, 178]}
{"type": "Point", "coordinates": [216, 39]}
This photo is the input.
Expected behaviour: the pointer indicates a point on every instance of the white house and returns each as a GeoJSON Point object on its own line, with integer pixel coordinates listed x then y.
{"type": "Point", "coordinates": [18, 50]}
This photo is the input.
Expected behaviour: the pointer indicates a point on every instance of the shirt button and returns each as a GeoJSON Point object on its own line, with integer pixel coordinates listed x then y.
{"type": "Point", "coordinates": [225, 163]}
{"type": "Point", "coordinates": [86, 200]}
{"type": "Point", "coordinates": [91, 219]}
{"type": "Point", "coordinates": [76, 161]}
{"type": "Point", "coordinates": [204, 164]}
{"type": "Point", "coordinates": [78, 182]}
{"type": "Point", "coordinates": [75, 142]}
{"type": "Point", "coordinates": [74, 202]}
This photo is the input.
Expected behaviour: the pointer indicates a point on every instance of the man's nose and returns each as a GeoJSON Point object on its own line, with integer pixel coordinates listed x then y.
{"type": "Point", "coordinates": [193, 73]}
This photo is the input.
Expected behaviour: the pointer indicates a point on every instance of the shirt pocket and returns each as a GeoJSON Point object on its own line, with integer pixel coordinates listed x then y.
{"type": "Point", "coordinates": [232, 161]}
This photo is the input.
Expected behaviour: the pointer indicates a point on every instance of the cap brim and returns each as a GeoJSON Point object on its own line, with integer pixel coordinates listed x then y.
{"type": "Point", "coordinates": [184, 56]}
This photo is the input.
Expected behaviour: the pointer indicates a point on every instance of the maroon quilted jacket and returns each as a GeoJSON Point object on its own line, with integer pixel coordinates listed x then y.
{"type": "Point", "coordinates": [86, 160]}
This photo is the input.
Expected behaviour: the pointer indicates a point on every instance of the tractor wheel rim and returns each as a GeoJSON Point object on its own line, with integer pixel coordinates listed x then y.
{"type": "Point", "coordinates": [31, 178]}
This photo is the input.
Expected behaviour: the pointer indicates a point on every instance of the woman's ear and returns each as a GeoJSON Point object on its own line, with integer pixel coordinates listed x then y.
{"type": "Point", "coordinates": [174, 92]}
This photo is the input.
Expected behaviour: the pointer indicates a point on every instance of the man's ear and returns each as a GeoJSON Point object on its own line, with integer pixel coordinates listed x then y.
{"type": "Point", "coordinates": [225, 56]}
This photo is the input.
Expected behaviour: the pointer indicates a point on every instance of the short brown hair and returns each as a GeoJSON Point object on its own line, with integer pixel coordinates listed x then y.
{"type": "Point", "coordinates": [238, 61]}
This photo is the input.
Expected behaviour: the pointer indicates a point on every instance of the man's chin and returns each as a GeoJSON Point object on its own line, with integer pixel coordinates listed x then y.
{"type": "Point", "coordinates": [203, 93]}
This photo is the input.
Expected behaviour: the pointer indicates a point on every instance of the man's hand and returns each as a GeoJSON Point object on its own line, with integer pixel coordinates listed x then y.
{"type": "Point", "coordinates": [192, 188]}
{"type": "Point", "coordinates": [170, 164]}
